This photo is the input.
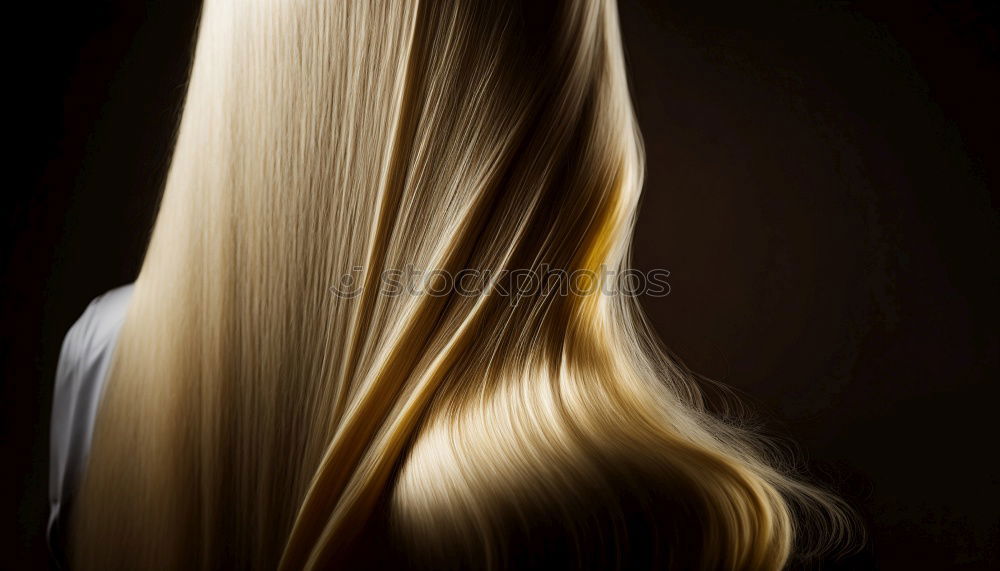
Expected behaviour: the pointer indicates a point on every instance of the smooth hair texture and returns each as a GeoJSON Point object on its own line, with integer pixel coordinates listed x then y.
{"type": "Point", "coordinates": [254, 419]}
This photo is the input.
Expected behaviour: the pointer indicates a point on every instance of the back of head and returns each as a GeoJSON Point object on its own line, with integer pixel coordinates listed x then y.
{"type": "Point", "coordinates": [273, 403]}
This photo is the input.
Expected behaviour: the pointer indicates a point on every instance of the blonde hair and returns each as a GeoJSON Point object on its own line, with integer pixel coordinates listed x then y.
{"type": "Point", "coordinates": [255, 419]}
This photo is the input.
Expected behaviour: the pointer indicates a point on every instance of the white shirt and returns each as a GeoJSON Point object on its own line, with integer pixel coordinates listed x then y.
{"type": "Point", "coordinates": [80, 377]}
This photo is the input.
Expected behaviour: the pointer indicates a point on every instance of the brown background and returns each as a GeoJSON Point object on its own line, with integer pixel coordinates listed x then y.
{"type": "Point", "coordinates": [820, 185]}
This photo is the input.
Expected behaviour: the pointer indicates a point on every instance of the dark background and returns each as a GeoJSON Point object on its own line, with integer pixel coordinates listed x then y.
{"type": "Point", "coordinates": [820, 184]}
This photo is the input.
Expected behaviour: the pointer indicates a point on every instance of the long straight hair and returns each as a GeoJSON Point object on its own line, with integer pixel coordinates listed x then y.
{"type": "Point", "coordinates": [256, 416]}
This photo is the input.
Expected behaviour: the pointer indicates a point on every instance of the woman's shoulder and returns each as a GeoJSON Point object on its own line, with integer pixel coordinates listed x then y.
{"type": "Point", "coordinates": [84, 358]}
{"type": "Point", "coordinates": [87, 347]}
{"type": "Point", "coordinates": [98, 325]}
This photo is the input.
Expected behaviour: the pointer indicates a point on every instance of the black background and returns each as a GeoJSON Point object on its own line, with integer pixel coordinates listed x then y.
{"type": "Point", "coordinates": [820, 185]}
